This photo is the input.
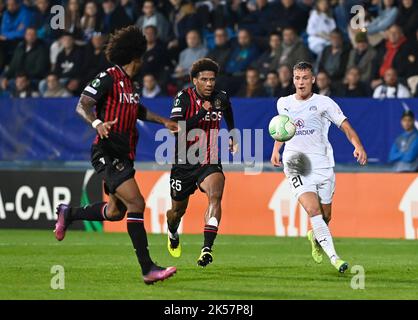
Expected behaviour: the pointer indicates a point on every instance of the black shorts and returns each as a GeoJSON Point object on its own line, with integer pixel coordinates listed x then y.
{"type": "Point", "coordinates": [184, 179]}
{"type": "Point", "coordinates": [112, 171]}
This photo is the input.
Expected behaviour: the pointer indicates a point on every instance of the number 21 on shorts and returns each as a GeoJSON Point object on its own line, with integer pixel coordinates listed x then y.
{"type": "Point", "coordinates": [297, 181]}
{"type": "Point", "coordinates": [175, 184]}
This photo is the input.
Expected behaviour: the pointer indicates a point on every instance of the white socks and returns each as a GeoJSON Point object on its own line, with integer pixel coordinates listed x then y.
{"type": "Point", "coordinates": [323, 236]}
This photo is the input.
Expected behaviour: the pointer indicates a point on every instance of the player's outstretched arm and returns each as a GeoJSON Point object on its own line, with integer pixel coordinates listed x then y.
{"type": "Point", "coordinates": [275, 155]}
{"type": "Point", "coordinates": [85, 108]}
{"type": "Point", "coordinates": [359, 152]}
{"type": "Point", "coordinates": [147, 115]}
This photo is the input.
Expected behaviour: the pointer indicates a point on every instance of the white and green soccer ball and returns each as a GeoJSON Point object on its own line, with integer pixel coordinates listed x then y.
{"type": "Point", "coordinates": [282, 128]}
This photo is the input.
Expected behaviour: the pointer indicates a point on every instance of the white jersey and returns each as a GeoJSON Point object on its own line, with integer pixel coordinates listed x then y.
{"type": "Point", "coordinates": [312, 118]}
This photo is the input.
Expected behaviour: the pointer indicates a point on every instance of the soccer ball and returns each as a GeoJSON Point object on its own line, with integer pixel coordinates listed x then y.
{"type": "Point", "coordinates": [281, 128]}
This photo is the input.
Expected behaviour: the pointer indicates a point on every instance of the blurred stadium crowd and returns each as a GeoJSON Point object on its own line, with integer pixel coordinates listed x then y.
{"type": "Point", "coordinates": [256, 42]}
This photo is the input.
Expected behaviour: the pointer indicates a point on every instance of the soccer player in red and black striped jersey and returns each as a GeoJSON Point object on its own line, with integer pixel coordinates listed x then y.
{"type": "Point", "coordinates": [118, 107]}
{"type": "Point", "coordinates": [197, 165]}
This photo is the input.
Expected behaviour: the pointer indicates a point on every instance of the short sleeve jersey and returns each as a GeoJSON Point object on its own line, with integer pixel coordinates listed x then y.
{"type": "Point", "coordinates": [312, 118]}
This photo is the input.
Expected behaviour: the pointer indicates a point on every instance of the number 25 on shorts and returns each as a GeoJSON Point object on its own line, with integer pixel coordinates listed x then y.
{"type": "Point", "coordinates": [175, 184]}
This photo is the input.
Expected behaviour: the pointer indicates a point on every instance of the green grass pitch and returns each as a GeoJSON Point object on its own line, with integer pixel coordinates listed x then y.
{"type": "Point", "coordinates": [103, 266]}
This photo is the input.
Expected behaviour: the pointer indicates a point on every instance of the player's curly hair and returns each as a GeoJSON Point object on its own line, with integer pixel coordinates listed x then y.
{"type": "Point", "coordinates": [125, 45]}
{"type": "Point", "coordinates": [204, 64]}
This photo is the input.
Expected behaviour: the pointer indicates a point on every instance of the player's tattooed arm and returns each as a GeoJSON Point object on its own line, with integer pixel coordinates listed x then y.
{"type": "Point", "coordinates": [85, 108]}
{"type": "Point", "coordinates": [147, 115]}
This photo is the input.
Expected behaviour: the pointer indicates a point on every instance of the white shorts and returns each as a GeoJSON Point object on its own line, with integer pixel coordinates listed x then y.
{"type": "Point", "coordinates": [320, 181]}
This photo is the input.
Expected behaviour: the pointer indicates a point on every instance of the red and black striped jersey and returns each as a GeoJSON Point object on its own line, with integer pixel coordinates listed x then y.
{"type": "Point", "coordinates": [188, 107]}
{"type": "Point", "coordinates": [117, 98]}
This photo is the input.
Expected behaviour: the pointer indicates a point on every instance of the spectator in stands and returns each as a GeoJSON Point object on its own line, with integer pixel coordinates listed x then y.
{"type": "Point", "coordinates": [323, 84]}
{"type": "Point", "coordinates": [30, 57]}
{"type": "Point", "coordinates": [217, 14]}
{"type": "Point", "coordinates": [2, 10]}
{"type": "Point", "coordinates": [194, 51]}
{"type": "Point", "coordinates": [285, 79]}
{"type": "Point", "coordinates": [72, 21]}
{"type": "Point", "coordinates": [391, 54]}
{"type": "Point", "coordinates": [91, 21]}
{"type": "Point", "coordinates": [362, 57]}
{"type": "Point", "coordinates": [243, 53]}
{"type": "Point", "coordinates": [23, 88]}
{"type": "Point", "coordinates": [42, 20]}
{"type": "Point", "coordinates": [222, 49]}
{"type": "Point", "coordinates": [182, 19]}
{"type": "Point", "coordinates": [289, 14]}
{"type": "Point", "coordinates": [54, 50]}
{"type": "Point", "coordinates": [114, 17]}
{"type": "Point", "coordinates": [13, 26]}
{"type": "Point", "coordinates": [386, 17]}
{"type": "Point", "coordinates": [131, 8]}
{"type": "Point", "coordinates": [155, 60]}
{"type": "Point", "coordinates": [404, 152]}
{"type": "Point", "coordinates": [342, 15]}
{"type": "Point", "coordinates": [55, 88]}
{"type": "Point", "coordinates": [407, 18]}
{"type": "Point", "coordinates": [94, 57]}
{"type": "Point", "coordinates": [292, 48]}
{"type": "Point", "coordinates": [69, 64]}
{"type": "Point", "coordinates": [352, 86]}
{"type": "Point", "coordinates": [151, 17]}
{"type": "Point", "coordinates": [308, 5]}
{"type": "Point", "coordinates": [237, 10]}
{"type": "Point", "coordinates": [272, 84]}
{"type": "Point", "coordinates": [269, 58]}
{"type": "Point", "coordinates": [334, 58]}
{"type": "Point", "coordinates": [72, 24]}
{"type": "Point", "coordinates": [150, 88]}
{"type": "Point", "coordinates": [260, 18]}
{"type": "Point", "coordinates": [412, 75]}
{"type": "Point", "coordinates": [15, 20]}
{"type": "Point", "coordinates": [253, 86]}
{"type": "Point", "coordinates": [320, 25]}
{"type": "Point", "coordinates": [391, 88]}
{"type": "Point", "coordinates": [163, 6]}
{"type": "Point", "coordinates": [407, 59]}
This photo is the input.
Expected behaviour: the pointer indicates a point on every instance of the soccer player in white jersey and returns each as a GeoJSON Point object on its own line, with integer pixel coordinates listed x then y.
{"type": "Point", "coordinates": [308, 157]}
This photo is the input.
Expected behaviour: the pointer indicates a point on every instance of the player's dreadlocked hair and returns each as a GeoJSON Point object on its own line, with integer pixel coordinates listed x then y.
{"type": "Point", "coordinates": [204, 64]}
{"type": "Point", "coordinates": [125, 45]}
{"type": "Point", "coordinates": [303, 65]}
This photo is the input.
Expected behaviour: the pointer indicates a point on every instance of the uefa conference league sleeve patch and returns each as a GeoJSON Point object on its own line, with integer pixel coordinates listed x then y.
{"type": "Point", "coordinates": [98, 86]}
{"type": "Point", "coordinates": [177, 110]}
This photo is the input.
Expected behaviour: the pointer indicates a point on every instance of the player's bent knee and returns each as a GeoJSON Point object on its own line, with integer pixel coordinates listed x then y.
{"type": "Point", "coordinates": [115, 215]}
{"type": "Point", "coordinates": [113, 212]}
{"type": "Point", "coordinates": [137, 205]}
